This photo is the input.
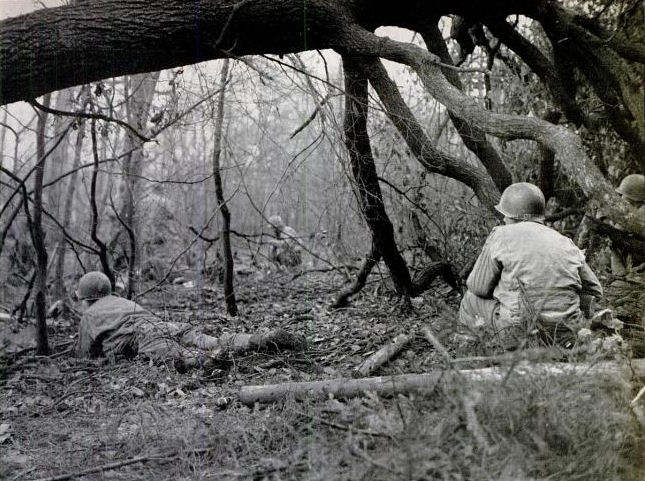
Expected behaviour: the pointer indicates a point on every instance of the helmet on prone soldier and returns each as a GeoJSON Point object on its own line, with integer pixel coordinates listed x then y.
{"type": "Point", "coordinates": [633, 187]}
{"type": "Point", "coordinates": [522, 201]}
{"type": "Point", "coordinates": [92, 286]}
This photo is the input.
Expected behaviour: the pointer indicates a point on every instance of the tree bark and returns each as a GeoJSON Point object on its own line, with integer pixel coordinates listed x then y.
{"type": "Point", "coordinates": [546, 162]}
{"type": "Point", "coordinates": [364, 171]}
{"type": "Point", "coordinates": [227, 254]}
{"type": "Point", "coordinates": [38, 237]}
{"type": "Point", "coordinates": [429, 273]}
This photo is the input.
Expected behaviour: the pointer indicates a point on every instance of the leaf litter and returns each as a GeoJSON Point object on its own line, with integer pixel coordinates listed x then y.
{"type": "Point", "coordinates": [96, 419]}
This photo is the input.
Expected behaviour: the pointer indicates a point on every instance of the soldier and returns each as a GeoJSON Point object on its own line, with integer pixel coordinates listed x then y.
{"type": "Point", "coordinates": [631, 189]}
{"type": "Point", "coordinates": [285, 249]}
{"type": "Point", "coordinates": [112, 326]}
{"type": "Point", "coordinates": [527, 273]}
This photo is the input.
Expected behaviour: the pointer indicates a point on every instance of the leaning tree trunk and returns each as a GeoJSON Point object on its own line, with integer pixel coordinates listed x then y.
{"type": "Point", "coordinates": [229, 293]}
{"type": "Point", "coordinates": [433, 160]}
{"type": "Point", "coordinates": [364, 171]}
{"type": "Point", "coordinates": [38, 237]}
{"type": "Point", "coordinates": [474, 138]}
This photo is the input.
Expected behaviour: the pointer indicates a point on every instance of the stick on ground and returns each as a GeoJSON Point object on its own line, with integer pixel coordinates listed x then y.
{"type": "Point", "coordinates": [383, 355]}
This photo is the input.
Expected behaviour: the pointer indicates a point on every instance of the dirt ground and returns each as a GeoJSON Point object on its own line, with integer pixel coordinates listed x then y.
{"type": "Point", "coordinates": [63, 417]}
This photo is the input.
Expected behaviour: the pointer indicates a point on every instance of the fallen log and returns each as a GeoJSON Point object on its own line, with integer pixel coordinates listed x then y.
{"type": "Point", "coordinates": [424, 383]}
{"type": "Point", "coordinates": [383, 355]}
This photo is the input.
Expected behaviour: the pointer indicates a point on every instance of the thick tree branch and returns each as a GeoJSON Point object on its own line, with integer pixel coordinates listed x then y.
{"type": "Point", "coordinates": [474, 138]}
{"type": "Point", "coordinates": [86, 115]}
{"type": "Point", "coordinates": [564, 143]}
{"type": "Point", "coordinates": [541, 65]}
{"type": "Point", "coordinates": [432, 160]}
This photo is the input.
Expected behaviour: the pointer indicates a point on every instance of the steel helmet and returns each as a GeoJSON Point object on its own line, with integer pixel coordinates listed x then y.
{"type": "Point", "coordinates": [93, 285]}
{"type": "Point", "coordinates": [276, 221]}
{"type": "Point", "coordinates": [633, 187]}
{"type": "Point", "coordinates": [522, 201]}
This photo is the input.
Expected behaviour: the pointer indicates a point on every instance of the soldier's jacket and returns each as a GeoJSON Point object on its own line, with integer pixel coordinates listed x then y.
{"type": "Point", "coordinates": [286, 250]}
{"type": "Point", "coordinates": [117, 326]}
{"type": "Point", "coordinates": [635, 223]}
{"type": "Point", "coordinates": [531, 269]}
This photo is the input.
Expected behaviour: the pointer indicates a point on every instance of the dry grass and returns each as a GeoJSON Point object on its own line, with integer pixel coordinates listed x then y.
{"type": "Point", "coordinates": [69, 415]}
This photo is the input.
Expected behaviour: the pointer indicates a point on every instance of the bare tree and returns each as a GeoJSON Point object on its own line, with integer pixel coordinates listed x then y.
{"type": "Point", "coordinates": [38, 237]}
{"type": "Point", "coordinates": [229, 293]}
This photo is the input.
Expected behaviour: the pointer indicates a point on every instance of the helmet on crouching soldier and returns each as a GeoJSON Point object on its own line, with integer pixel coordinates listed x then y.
{"type": "Point", "coordinates": [277, 222]}
{"type": "Point", "coordinates": [522, 201]}
{"type": "Point", "coordinates": [92, 286]}
{"type": "Point", "coordinates": [633, 187]}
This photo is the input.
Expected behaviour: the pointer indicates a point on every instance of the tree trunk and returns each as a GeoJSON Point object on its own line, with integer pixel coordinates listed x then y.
{"type": "Point", "coordinates": [426, 383]}
{"type": "Point", "coordinates": [546, 163]}
{"type": "Point", "coordinates": [38, 236]}
{"type": "Point", "coordinates": [229, 293]}
{"type": "Point", "coordinates": [103, 251]}
{"type": "Point", "coordinates": [430, 272]}
{"type": "Point", "coordinates": [60, 292]}
{"type": "Point", "coordinates": [140, 91]}
{"type": "Point", "coordinates": [369, 192]}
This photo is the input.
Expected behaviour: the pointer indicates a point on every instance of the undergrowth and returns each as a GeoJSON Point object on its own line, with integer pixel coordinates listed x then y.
{"type": "Point", "coordinates": [67, 415]}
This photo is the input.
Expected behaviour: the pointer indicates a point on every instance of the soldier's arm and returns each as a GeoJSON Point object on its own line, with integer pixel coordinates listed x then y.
{"type": "Point", "coordinates": [590, 283]}
{"type": "Point", "coordinates": [487, 271]}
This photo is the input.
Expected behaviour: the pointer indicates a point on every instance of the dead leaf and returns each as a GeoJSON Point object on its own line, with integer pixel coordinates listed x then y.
{"type": "Point", "coordinates": [137, 392]}
{"type": "Point", "coordinates": [6, 431]}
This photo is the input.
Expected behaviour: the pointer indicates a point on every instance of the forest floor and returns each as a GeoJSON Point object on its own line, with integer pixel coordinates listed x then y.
{"type": "Point", "coordinates": [64, 417]}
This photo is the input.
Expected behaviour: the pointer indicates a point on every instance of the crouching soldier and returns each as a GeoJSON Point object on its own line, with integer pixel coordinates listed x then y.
{"type": "Point", "coordinates": [114, 326]}
{"type": "Point", "coordinates": [528, 276]}
{"type": "Point", "coordinates": [632, 189]}
{"type": "Point", "coordinates": [285, 249]}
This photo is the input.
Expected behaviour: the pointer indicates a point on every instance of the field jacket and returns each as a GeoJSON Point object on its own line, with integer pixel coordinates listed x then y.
{"type": "Point", "coordinates": [103, 319]}
{"type": "Point", "coordinates": [533, 272]}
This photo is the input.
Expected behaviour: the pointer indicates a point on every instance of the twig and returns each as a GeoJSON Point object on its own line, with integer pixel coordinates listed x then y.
{"type": "Point", "coordinates": [85, 115]}
{"type": "Point", "coordinates": [342, 427]}
{"type": "Point", "coordinates": [110, 466]}
{"type": "Point", "coordinates": [311, 117]}
{"type": "Point", "coordinates": [638, 396]}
